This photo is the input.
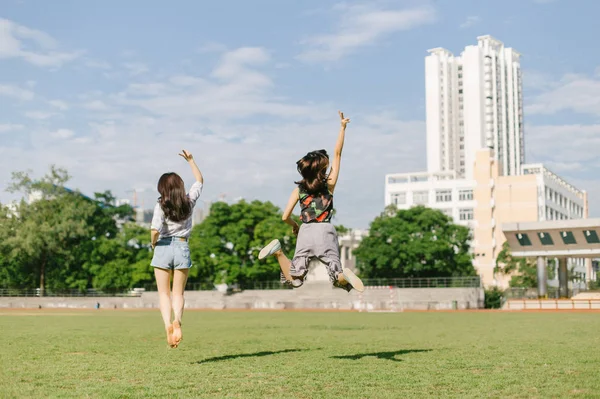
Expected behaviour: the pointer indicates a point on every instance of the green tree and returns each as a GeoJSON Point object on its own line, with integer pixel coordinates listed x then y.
{"type": "Point", "coordinates": [11, 274]}
{"type": "Point", "coordinates": [225, 246]}
{"type": "Point", "coordinates": [48, 228]}
{"type": "Point", "coordinates": [418, 242]}
{"type": "Point", "coordinates": [523, 271]}
{"type": "Point", "coordinates": [53, 240]}
{"type": "Point", "coordinates": [493, 298]}
{"type": "Point", "coordinates": [120, 262]}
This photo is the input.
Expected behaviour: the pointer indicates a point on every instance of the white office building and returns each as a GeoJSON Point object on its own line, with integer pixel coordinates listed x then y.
{"type": "Point", "coordinates": [441, 190]}
{"type": "Point", "coordinates": [474, 101]}
{"type": "Point", "coordinates": [556, 199]}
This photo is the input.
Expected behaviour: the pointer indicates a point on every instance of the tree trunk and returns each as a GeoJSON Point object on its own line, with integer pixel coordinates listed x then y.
{"type": "Point", "coordinates": [42, 276]}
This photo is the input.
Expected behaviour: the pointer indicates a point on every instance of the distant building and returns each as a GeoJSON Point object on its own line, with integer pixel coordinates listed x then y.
{"type": "Point", "coordinates": [200, 213]}
{"type": "Point", "coordinates": [476, 171]}
{"type": "Point", "coordinates": [474, 101]}
{"type": "Point", "coordinates": [490, 199]}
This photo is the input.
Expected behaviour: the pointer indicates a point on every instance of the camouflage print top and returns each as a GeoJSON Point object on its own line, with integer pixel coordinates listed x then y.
{"type": "Point", "coordinates": [315, 208]}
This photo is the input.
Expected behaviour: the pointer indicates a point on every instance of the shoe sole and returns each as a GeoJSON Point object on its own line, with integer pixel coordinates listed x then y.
{"type": "Point", "coordinates": [356, 283]}
{"type": "Point", "coordinates": [269, 249]}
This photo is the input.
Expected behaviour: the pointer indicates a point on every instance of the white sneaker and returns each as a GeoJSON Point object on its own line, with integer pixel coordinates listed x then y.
{"type": "Point", "coordinates": [270, 249]}
{"type": "Point", "coordinates": [353, 280]}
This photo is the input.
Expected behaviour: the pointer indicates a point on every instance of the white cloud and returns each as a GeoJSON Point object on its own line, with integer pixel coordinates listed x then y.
{"type": "Point", "coordinates": [10, 127]}
{"type": "Point", "coordinates": [536, 80]}
{"type": "Point", "coordinates": [234, 66]}
{"type": "Point", "coordinates": [471, 21]}
{"type": "Point", "coordinates": [362, 25]}
{"type": "Point", "coordinates": [96, 64]}
{"type": "Point", "coordinates": [136, 68]}
{"type": "Point", "coordinates": [236, 88]}
{"type": "Point", "coordinates": [39, 115]}
{"type": "Point", "coordinates": [572, 152]}
{"type": "Point", "coordinates": [185, 80]}
{"type": "Point", "coordinates": [16, 92]}
{"type": "Point", "coordinates": [62, 134]}
{"type": "Point", "coordinates": [234, 156]}
{"type": "Point", "coordinates": [61, 105]}
{"type": "Point", "coordinates": [245, 136]}
{"type": "Point", "coordinates": [147, 89]}
{"type": "Point", "coordinates": [17, 41]}
{"type": "Point", "coordinates": [567, 147]}
{"type": "Point", "coordinates": [577, 93]}
{"type": "Point", "coordinates": [212, 47]}
{"type": "Point", "coordinates": [96, 105]}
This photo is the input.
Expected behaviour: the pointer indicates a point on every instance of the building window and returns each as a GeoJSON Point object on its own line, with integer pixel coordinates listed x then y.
{"type": "Point", "coordinates": [465, 195]}
{"type": "Point", "coordinates": [523, 239]}
{"type": "Point", "coordinates": [568, 237]}
{"type": "Point", "coordinates": [465, 214]}
{"type": "Point", "coordinates": [421, 197]}
{"type": "Point", "coordinates": [443, 195]}
{"type": "Point", "coordinates": [545, 238]}
{"type": "Point", "coordinates": [591, 237]}
{"type": "Point", "coordinates": [398, 198]}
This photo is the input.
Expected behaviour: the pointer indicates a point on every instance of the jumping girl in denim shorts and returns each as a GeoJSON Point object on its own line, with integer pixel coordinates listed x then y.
{"type": "Point", "coordinates": [317, 238]}
{"type": "Point", "coordinates": [170, 230]}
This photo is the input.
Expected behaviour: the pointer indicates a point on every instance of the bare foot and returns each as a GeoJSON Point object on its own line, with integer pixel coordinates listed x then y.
{"type": "Point", "coordinates": [177, 333]}
{"type": "Point", "coordinates": [170, 339]}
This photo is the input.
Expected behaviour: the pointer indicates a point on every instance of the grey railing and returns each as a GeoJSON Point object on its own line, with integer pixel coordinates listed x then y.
{"type": "Point", "coordinates": [434, 282]}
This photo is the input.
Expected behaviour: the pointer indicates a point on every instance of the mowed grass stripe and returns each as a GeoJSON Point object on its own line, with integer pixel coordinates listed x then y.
{"type": "Point", "coordinates": [301, 355]}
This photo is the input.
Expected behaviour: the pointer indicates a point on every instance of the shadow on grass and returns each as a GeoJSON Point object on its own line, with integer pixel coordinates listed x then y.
{"type": "Point", "coordinates": [242, 355]}
{"type": "Point", "coordinates": [382, 355]}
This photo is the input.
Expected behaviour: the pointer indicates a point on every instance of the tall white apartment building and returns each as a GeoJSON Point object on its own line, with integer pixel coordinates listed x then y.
{"type": "Point", "coordinates": [474, 101]}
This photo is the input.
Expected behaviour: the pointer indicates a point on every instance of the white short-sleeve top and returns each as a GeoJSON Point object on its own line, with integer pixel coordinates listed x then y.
{"type": "Point", "coordinates": [169, 228]}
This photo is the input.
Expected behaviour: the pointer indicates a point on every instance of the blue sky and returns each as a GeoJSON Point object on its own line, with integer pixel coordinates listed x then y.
{"type": "Point", "coordinates": [113, 90]}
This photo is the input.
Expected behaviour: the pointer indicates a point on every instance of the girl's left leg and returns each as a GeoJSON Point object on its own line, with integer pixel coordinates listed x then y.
{"type": "Point", "coordinates": [163, 282]}
{"type": "Point", "coordinates": [179, 279]}
{"type": "Point", "coordinates": [274, 249]}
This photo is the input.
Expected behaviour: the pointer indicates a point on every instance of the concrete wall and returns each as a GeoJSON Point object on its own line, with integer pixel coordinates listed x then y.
{"type": "Point", "coordinates": [316, 296]}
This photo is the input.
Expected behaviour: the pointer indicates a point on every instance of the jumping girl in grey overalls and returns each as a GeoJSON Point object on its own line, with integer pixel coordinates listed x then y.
{"type": "Point", "coordinates": [317, 238]}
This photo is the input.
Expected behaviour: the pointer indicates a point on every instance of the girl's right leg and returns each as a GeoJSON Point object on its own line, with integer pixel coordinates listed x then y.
{"type": "Point", "coordinates": [284, 264]}
{"type": "Point", "coordinates": [163, 284]}
{"type": "Point", "coordinates": [179, 279]}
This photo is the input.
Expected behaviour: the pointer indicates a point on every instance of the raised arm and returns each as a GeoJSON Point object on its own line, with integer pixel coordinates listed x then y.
{"type": "Point", "coordinates": [190, 159]}
{"type": "Point", "coordinates": [287, 213]}
{"type": "Point", "coordinates": [337, 154]}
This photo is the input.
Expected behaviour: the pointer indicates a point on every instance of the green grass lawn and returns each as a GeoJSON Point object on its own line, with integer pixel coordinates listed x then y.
{"type": "Point", "coordinates": [123, 354]}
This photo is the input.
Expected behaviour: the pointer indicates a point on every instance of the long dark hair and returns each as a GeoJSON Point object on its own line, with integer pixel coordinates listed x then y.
{"type": "Point", "coordinates": [313, 168]}
{"type": "Point", "coordinates": [173, 199]}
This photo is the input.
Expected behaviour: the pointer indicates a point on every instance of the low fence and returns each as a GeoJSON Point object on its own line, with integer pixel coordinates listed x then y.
{"type": "Point", "coordinates": [434, 282]}
{"type": "Point", "coordinates": [552, 304]}
{"type": "Point", "coordinates": [532, 293]}
{"type": "Point", "coordinates": [14, 292]}
{"type": "Point", "coordinates": [312, 296]}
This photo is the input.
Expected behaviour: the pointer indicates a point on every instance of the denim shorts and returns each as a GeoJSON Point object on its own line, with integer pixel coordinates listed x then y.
{"type": "Point", "coordinates": [171, 254]}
